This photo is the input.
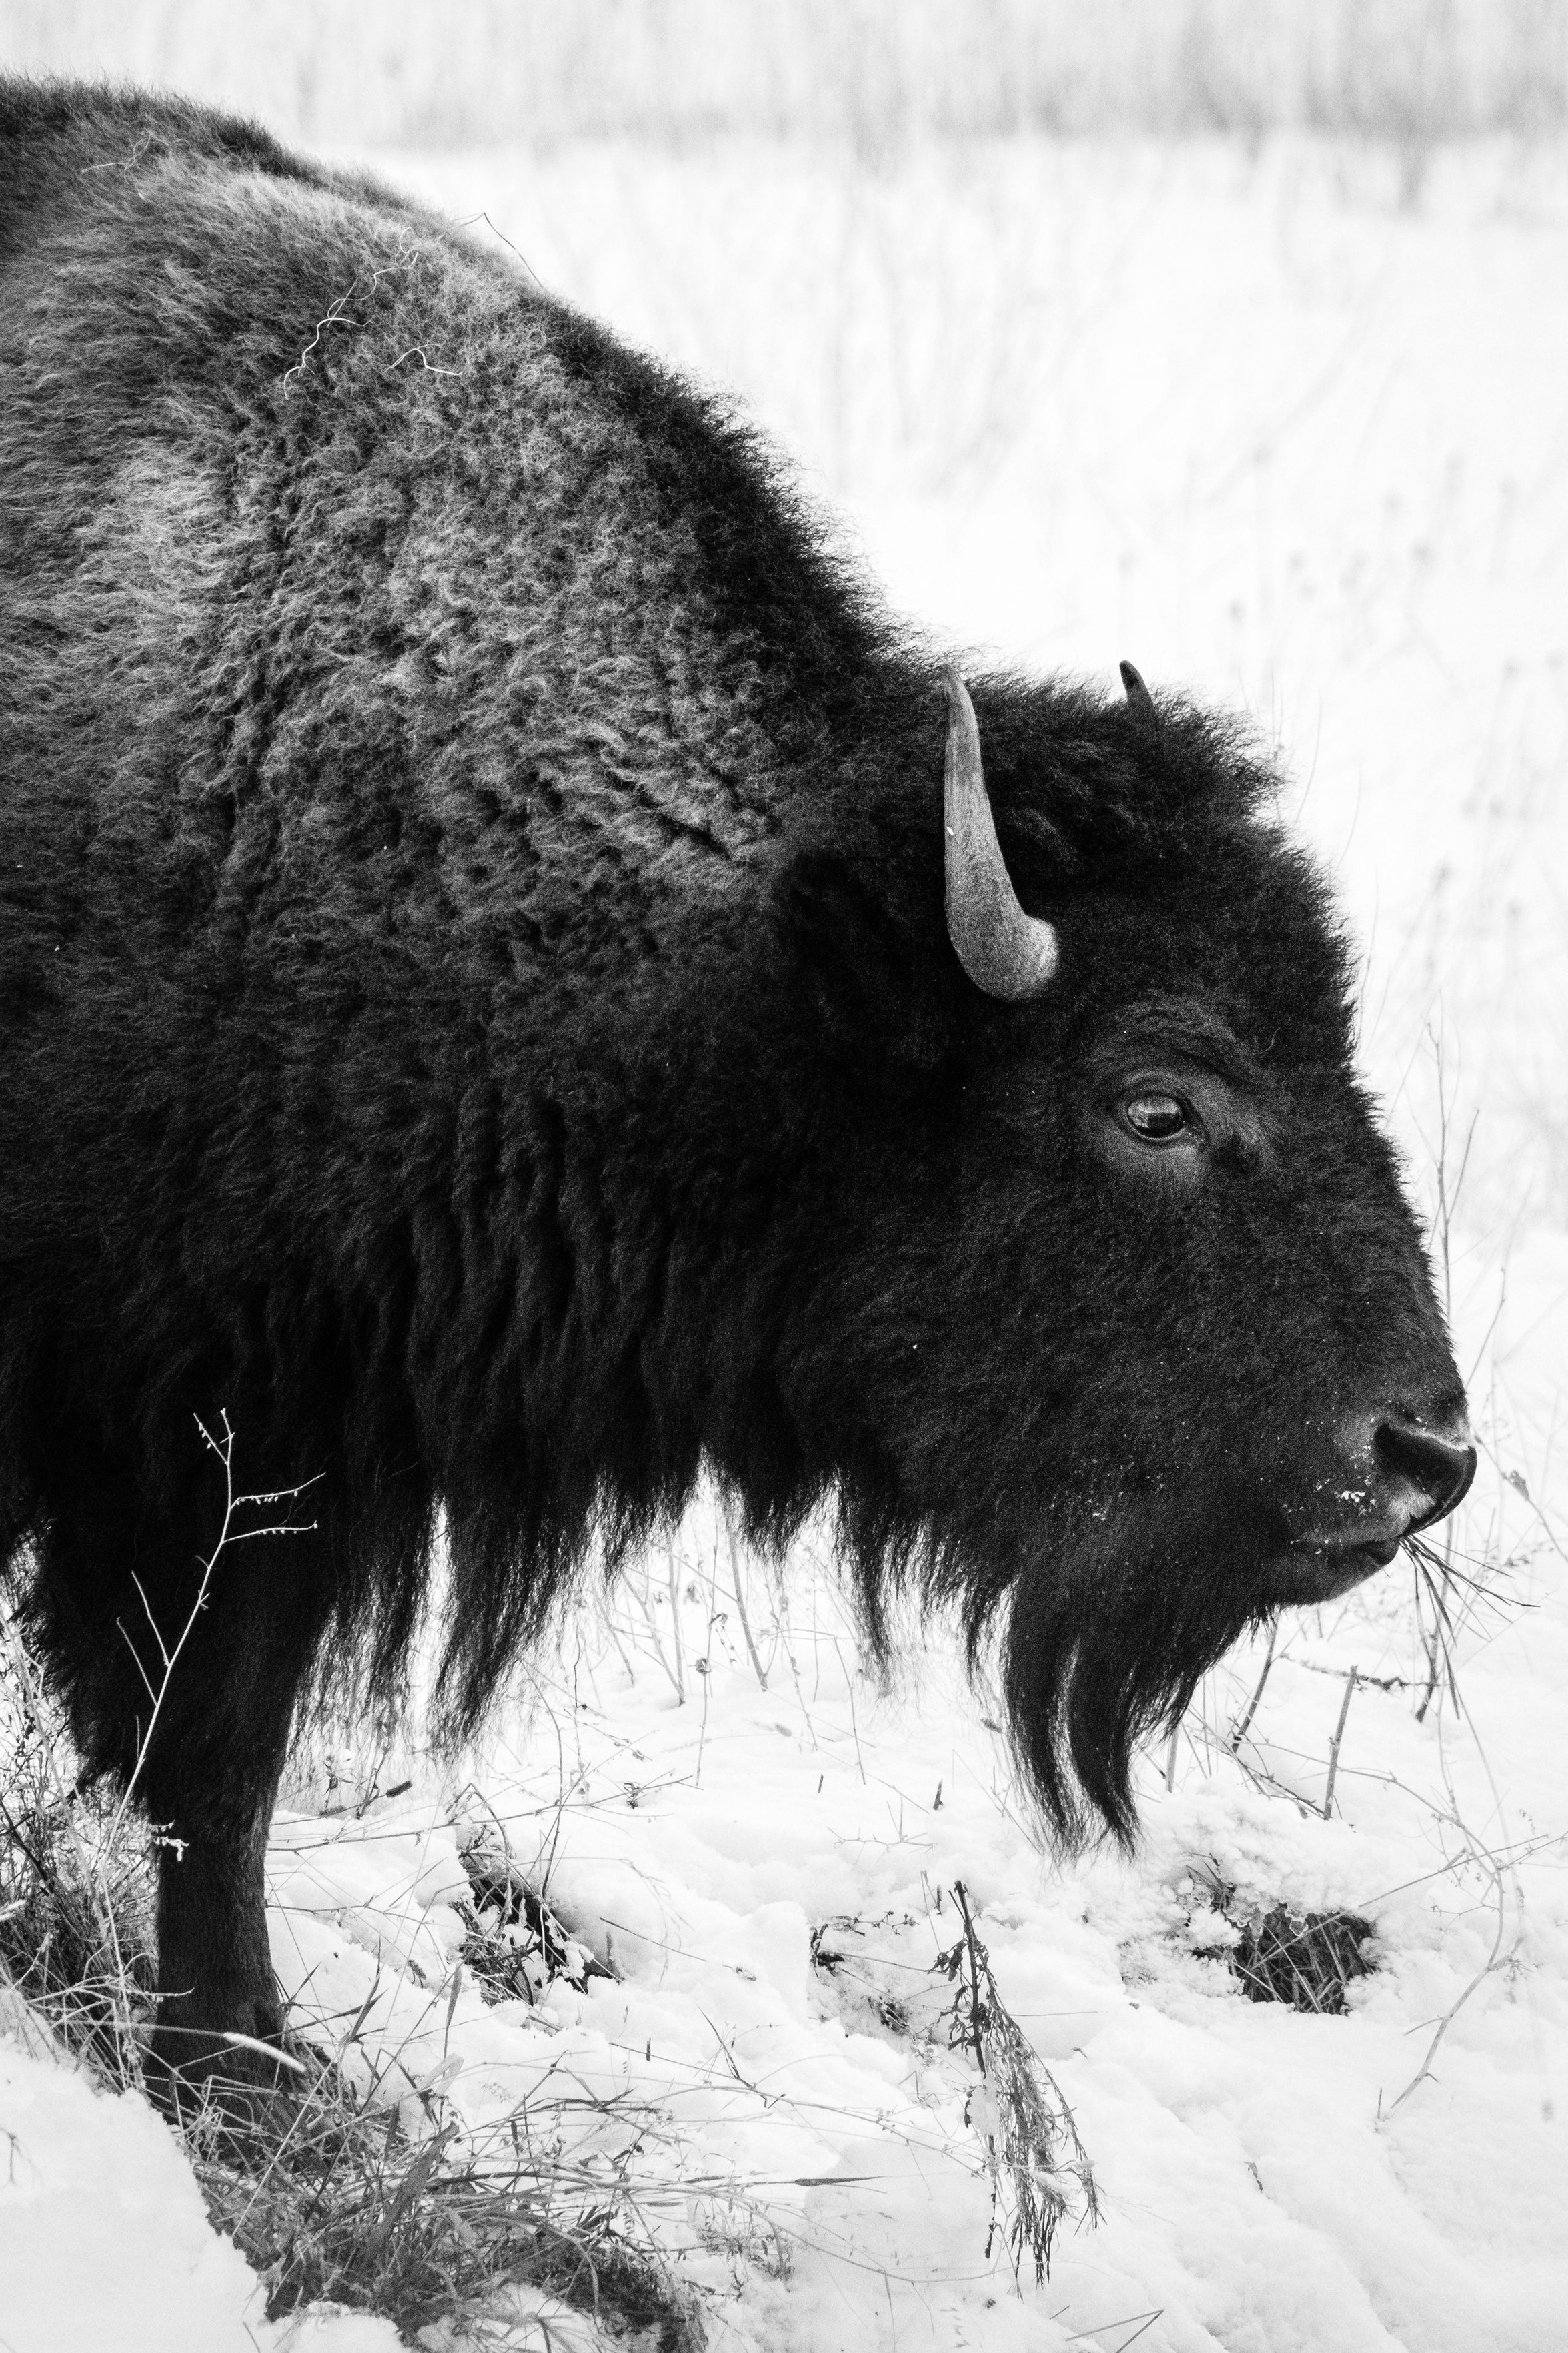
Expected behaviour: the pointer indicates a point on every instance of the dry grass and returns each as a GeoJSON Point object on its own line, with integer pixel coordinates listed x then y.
{"type": "Point", "coordinates": [1039, 2169]}
{"type": "Point", "coordinates": [1305, 1959]}
{"type": "Point", "coordinates": [76, 1892]}
{"type": "Point", "coordinates": [331, 2196]}
{"type": "Point", "coordinates": [878, 74]}
{"type": "Point", "coordinates": [516, 1946]}
{"type": "Point", "coordinates": [328, 2189]}
{"type": "Point", "coordinates": [1275, 1952]}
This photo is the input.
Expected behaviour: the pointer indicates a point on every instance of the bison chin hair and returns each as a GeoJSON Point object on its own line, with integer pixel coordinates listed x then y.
{"type": "Point", "coordinates": [1108, 1632]}
{"type": "Point", "coordinates": [1108, 1616]}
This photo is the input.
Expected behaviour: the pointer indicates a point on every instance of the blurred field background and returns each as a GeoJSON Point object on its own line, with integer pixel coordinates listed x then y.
{"type": "Point", "coordinates": [876, 73]}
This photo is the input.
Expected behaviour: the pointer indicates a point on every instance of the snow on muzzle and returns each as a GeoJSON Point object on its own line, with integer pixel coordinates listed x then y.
{"type": "Point", "coordinates": [1400, 1473]}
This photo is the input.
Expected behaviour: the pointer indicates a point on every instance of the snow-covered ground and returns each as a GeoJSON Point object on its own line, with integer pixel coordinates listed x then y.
{"type": "Point", "coordinates": [809, 2119]}
{"type": "Point", "coordinates": [1290, 429]}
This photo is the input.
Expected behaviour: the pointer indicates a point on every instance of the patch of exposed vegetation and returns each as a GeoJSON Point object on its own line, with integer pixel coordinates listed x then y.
{"type": "Point", "coordinates": [330, 2196]}
{"type": "Point", "coordinates": [1273, 1951]}
{"type": "Point", "coordinates": [516, 1946]}
{"type": "Point", "coordinates": [1304, 1958]}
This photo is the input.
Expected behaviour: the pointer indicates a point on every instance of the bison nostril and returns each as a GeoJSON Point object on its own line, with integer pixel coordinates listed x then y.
{"type": "Point", "coordinates": [1439, 1468]}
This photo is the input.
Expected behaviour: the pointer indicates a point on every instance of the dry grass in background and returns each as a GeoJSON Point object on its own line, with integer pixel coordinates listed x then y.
{"type": "Point", "coordinates": [352, 73]}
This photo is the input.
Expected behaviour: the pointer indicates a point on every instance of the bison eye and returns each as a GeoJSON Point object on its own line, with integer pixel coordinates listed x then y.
{"type": "Point", "coordinates": [1156, 1118]}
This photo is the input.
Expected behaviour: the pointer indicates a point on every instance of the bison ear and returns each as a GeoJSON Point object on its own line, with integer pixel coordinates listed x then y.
{"type": "Point", "coordinates": [859, 965]}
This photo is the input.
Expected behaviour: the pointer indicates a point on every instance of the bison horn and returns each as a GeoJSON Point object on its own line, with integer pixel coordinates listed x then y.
{"type": "Point", "coordinates": [1004, 952]}
{"type": "Point", "coordinates": [1137, 693]}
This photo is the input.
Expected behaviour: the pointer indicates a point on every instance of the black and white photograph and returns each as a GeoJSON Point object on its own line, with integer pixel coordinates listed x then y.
{"type": "Point", "coordinates": [783, 1175]}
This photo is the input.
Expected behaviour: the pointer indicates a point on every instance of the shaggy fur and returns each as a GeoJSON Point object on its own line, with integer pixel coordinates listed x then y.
{"type": "Point", "coordinates": [476, 1004]}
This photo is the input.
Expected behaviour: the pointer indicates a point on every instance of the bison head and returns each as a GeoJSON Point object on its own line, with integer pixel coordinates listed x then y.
{"type": "Point", "coordinates": [1120, 1334]}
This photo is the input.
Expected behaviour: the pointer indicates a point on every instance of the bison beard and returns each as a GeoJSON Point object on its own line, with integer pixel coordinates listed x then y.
{"type": "Point", "coordinates": [1109, 1633]}
{"type": "Point", "coordinates": [1103, 1616]}
{"type": "Point", "coordinates": [518, 981]}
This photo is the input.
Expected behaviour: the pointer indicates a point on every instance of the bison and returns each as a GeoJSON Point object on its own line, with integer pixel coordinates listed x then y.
{"type": "Point", "coordinates": [519, 981]}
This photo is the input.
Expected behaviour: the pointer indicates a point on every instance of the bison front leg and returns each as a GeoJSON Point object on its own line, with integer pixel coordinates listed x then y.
{"type": "Point", "coordinates": [209, 1787]}
{"type": "Point", "coordinates": [215, 1962]}
{"type": "Point", "coordinates": [186, 1690]}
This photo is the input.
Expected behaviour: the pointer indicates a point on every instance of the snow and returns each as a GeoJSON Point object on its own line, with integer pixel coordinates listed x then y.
{"type": "Point", "coordinates": [105, 2246]}
{"type": "Point", "coordinates": [1251, 2197]}
{"type": "Point", "coordinates": [1290, 429]}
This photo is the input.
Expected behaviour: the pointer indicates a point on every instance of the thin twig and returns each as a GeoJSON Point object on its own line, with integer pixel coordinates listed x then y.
{"type": "Point", "coordinates": [1424, 2071]}
{"type": "Point", "coordinates": [1334, 1744]}
{"type": "Point", "coordinates": [675, 1644]}
{"type": "Point", "coordinates": [1239, 1730]}
{"type": "Point", "coordinates": [740, 1599]}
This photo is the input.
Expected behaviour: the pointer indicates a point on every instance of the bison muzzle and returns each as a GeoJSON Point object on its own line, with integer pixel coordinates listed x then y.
{"type": "Point", "coordinates": [518, 983]}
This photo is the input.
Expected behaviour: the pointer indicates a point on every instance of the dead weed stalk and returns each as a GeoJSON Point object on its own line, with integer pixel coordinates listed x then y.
{"type": "Point", "coordinates": [1038, 2166]}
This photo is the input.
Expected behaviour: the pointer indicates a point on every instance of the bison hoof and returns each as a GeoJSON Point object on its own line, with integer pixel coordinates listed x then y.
{"type": "Point", "coordinates": [238, 2071]}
